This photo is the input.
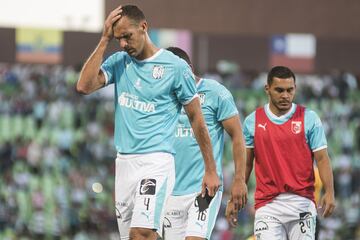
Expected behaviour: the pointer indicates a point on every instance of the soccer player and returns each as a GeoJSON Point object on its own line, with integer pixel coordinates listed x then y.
{"type": "Point", "coordinates": [151, 86]}
{"type": "Point", "coordinates": [189, 215]}
{"type": "Point", "coordinates": [284, 138]}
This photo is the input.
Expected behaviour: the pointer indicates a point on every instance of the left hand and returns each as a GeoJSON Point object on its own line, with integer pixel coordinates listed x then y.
{"type": "Point", "coordinates": [231, 214]}
{"type": "Point", "coordinates": [327, 203]}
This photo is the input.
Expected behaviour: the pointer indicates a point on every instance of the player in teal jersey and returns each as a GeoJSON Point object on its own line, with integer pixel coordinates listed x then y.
{"type": "Point", "coordinates": [187, 215]}
{"type": "Point", "coordinates": [151, 86]}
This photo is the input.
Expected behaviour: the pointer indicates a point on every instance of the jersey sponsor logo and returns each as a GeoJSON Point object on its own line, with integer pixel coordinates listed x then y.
{"type": "Point", "coordinates": [132, 101]}
{"type": "Point", "coordinates": [147, 186]}
{"type": "Point", "coordinates": [158, 71]}
{"type": "Point", "coordinates": [175, 213]}
{"type": "Point", "coordinates": [263, 126]}
{"type": "Point", "coordinates": [296, 127]}
{"type": "Point", "coordinates": [202, 98]}
{"type": "Point", "coordinates": [261, 226]}
{"type": "Point", "coordinates": [182, 131]}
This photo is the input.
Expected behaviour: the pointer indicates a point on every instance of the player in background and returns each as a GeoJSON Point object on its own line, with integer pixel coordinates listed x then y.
{"type": "Point", "coordinates": [151, 86]}
{"type": "Point", "coordinates": [189, 215]}
{"type": "Point", "coordinates": [283, 138]}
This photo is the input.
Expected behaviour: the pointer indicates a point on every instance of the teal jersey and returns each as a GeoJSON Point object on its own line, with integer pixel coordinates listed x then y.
{"type": "Point", "coordinates": [314, 131]}
{"type": "Point", "coordinates": [217, 104]}
{"type": "Point", "coordinates": [148, 99]}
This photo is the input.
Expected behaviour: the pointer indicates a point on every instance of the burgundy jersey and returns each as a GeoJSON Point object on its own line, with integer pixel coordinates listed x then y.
{"type": "Point", "coordinates": [283, 159]}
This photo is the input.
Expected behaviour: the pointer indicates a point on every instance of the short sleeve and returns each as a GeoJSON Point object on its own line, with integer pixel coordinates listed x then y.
{"type": "Point", "coordinates": [226, 104]}
{"type": "Point", "coordinates": [185, 88]}
{"type": "Point", "coordinates": [315, 134]}
{"type": "Point", "coordinates": [249, 130]}
{"type": "Point", "coordinates": [110, 65]}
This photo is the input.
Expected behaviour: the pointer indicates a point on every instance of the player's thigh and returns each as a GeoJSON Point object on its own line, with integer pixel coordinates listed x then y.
{"type": "Point", "coordinates": [267, 226]}
{"type": "Point", "coordinates": [176, 216]}
{"type": "Point", "coordinates": [125, 188]}
{"type": "Point", "coordinates": [201, 223]}
{"type": "Point", "coordinates": [152, 191]}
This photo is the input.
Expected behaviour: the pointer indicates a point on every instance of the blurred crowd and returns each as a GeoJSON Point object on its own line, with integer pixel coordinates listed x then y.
{"type": "Point", "coordinates": [57, 154]}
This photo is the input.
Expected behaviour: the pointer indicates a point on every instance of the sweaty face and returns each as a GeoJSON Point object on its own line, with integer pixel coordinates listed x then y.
{"type": "Point", "coordinates": [130, 35]}
{"type": "Point", "coordinates": [281, 94]}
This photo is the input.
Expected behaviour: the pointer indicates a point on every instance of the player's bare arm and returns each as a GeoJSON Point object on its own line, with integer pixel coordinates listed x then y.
{"type": "Point", "coordinates": [239, 189]}
{"type": "Point", "coordinates": [327, 202]}
{"type": "Point", "coordinates": [249, 163]}
{"type": "Point", "coordinates": [91, 78]}
{"type": "Point", "coordinates": [211, 180]}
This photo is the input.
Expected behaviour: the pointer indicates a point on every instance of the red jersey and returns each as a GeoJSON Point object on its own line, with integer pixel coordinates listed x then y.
{"type": "Point", "coordinates": [283, 159]}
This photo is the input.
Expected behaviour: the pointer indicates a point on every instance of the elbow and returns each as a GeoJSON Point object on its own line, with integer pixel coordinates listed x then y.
{"type": "Point", "coordinates": [81, 89]}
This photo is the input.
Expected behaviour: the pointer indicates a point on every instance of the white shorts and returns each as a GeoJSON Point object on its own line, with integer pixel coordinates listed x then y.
{"type": "Point", "coordinates": [288, 216]}
{"type": "Point", "coordinates": [143, 182]}
{"type": "Point", "coordinates": [183, 218]}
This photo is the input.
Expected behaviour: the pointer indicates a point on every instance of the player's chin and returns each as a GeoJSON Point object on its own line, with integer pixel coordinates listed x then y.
{"type": "Point", "coordinates": [284, 106]}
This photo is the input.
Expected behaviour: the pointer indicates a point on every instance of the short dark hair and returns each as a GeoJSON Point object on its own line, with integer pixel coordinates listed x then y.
{"type": "Point", "coordinates": [279, 72]}
{"type": "Point", "coordinates": [133, 12]}
{"type": "Point", "coordinates": [180, 53]}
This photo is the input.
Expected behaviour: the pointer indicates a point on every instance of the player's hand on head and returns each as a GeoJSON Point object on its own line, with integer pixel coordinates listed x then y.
{"type": "Point", "coordinates": [231, 214]}
{"type": "Point", "coordinates": [327, 204]}
{"type": "Point", "coordinates": [114, 16]}
{"type": "Point", "coordinates": [238, 194]}
{"type": "Point", "coordinates": [211, 182]}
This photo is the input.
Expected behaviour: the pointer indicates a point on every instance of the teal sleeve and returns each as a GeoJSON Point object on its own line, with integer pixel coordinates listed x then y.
{"type": "Point", "coordinates": [112, 64]}
{"type": "Point", "coordinates": [249, 130]}
{"type": "Point", "coordinates": [314, 131]}
{"type": "Point", "coordinates": [185, 88]}
{"type": "Point", "coordinates": [226, 104]}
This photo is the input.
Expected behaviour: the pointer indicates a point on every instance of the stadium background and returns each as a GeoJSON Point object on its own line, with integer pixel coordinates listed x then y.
{"type": "Point", "coordinates": [56, 150]}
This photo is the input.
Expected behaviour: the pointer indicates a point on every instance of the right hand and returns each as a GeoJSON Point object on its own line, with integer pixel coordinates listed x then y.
{"type": "Point", "coordinates": [115, 15]}
{"type": "Point", "coordinates": [211, 182]}
{"type": "Point", "coordinates": [231, 214]}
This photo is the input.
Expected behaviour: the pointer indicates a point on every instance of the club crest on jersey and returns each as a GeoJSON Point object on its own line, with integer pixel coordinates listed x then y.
{"type": "Point", "coordinates": [296, 127]}
{"type": "Point", "coordinates": [158, 71]}
{"type": "Point", "coordinates": [202, 98]}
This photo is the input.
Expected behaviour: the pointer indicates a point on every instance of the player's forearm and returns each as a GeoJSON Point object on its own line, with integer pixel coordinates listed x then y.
{"type": "Point", "coordinates": [202, 137]}
{"type": "Point", "coordinates": [249, 164]}
{"type": "Point", "coordinates": [239, 159]}
{"type": "Point", "coordinates": [326, 174]}
{"type": "Point", "coordinates": [88, 79]}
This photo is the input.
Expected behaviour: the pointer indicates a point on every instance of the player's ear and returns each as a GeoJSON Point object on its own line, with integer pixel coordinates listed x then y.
{"type": "Point", "coordinates": [266, 88]}
{"type": "Point", "coordinates": [144, 26]}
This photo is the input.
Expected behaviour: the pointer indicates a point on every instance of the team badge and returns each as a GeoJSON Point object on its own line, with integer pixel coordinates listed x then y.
{"type": "Point", "coordinates": [296, 127]}
{"type": "Point", "coordinates": [158, 71]}
{"type": "Point", "coordinates": [147, 186]}
{"type": "Point", "coordinates": [202, 98]}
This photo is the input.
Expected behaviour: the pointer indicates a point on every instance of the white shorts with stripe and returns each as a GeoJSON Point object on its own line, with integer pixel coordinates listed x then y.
{"type": "Point", "coordinates": [143, 182]}
{"type": "Point", "coordinates": [183, 218]}
{"type": "Point", "coordinates": [288, 216]}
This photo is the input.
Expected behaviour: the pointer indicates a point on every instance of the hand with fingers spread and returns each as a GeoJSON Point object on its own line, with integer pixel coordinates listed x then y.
{"type": "Point", "coordinates": [238, 194]}
{"type": "Point", "coordinates": [231, 214]}
{"type": "Point", "coordinates": [327, 204]}
{"type": "Point", "coordinates": [114, 16]}
{"type": "Point", "coordinates": [211, 182]}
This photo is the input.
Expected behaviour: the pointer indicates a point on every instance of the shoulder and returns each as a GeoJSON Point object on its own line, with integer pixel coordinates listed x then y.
{"type": "Point", "coordinates": [217, 88]}
{"type": "Point", "coordinates": [174, 60]}
{"type": "Point", "coordinates": [117, 56]}
{"type": "Point", "coordinates": [311, 114]}
{"type": "Point", "coordinates": [250, 119]}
